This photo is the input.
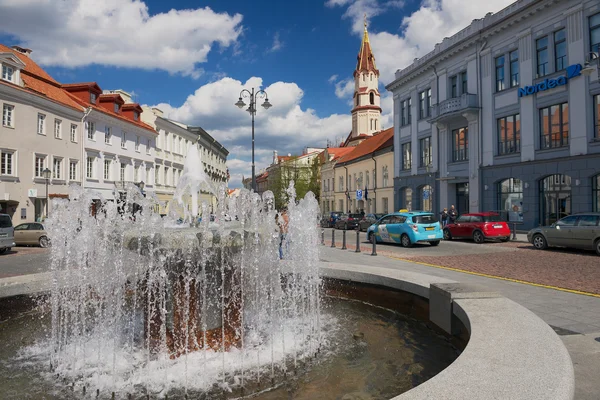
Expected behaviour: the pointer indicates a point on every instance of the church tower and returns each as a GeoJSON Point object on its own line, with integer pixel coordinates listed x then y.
{"type": "Point", "coordinates": [366, 113]}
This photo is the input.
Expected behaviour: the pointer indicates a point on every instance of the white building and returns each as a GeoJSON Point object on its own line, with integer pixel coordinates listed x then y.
{"type": "Point", "coordinates": [499, 116]}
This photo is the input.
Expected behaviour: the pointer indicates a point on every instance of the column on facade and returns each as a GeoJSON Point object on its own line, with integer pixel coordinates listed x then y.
{"type": "Point", "coordinates": [439, 147]}
{"type": "Point", "coordinates": [528, 111]}
{"type": "Point", "coordinates": [473, 140]}
{"type": "Point", "coordinates": [487, 109]}
{"type": "Point", "coordinates": [578, 86]}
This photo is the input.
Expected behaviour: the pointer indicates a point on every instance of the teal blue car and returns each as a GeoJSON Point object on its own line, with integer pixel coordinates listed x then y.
{"type": "Point", "coordinates": [407, 228]}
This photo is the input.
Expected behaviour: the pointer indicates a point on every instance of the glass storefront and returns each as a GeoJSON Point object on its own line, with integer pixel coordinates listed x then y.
{"type": "Point", "coordinates": [555, 198]}
{"type": "Point", "coordinates": [425, 194]}
{"type": "Point", "coordinates": [462, 198]}
{"type": "Point", "coordinates": [510, 198]}
{"type": "Point", "coordinates": [596, 193]}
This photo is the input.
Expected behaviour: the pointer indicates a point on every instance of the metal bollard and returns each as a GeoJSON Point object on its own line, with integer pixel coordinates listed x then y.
{"type": "Point", "coordinates": [514, 235]}
{"type": "Point", "coordinates": [344, 240]}
{"type": "Point", "coordinates": [322, 237]}
{"type": "Point", "coordinates": [357, 240]}
{"type": "Point", "coordinates": [374, 251]}
{"type": "Point", "coordinates": [333, 237]}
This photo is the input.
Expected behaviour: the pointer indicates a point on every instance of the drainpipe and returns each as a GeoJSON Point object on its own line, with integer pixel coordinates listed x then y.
{"type": "Point", "coordinates": [479, 123]}
{"type": "Point", "coordinates": [375, 181]}
{"type": "Point", "coordinates": [347, 191]}
{"type": "Point", "coordinates": [86, 113]}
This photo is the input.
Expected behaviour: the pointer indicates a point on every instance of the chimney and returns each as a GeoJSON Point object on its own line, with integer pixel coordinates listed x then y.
{"type": "Point", "coordinates": [22, 50]}
{"type": "Point", "coordinates": [274, 156]}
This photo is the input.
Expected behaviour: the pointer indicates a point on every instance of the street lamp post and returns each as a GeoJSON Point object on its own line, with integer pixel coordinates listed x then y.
{"type": "Point", "coordinates": [46, 173]}
{"type": "Point", "coordinates": [252, 110]}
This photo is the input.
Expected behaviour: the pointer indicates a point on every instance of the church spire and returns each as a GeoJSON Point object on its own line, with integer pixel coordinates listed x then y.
{"type": "Point", "coordinates": [366, 59]}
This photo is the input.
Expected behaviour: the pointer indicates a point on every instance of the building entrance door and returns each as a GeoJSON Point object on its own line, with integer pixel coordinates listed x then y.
{"type": "Point", "coordinates": [555, 195]}
{"type": "Point", "coordinates": [462, 198]}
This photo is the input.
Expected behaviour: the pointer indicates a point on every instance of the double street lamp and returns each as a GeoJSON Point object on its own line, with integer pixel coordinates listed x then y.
{"type": "Point", "coordinates": [252, 110]}
{"type": "Point", "coordinates": [46, 174]}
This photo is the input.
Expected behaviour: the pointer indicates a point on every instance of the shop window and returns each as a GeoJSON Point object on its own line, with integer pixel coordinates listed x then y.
{"type": "Point", "coordinates": [555, 198]}
{"type": "Point", "coordinates": [510, 198]}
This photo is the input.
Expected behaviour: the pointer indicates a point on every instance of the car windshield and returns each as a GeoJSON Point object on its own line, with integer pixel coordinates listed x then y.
{"type": "Point", "coordinates": [425, 219]}
{"type": "Point", "coordinates": [492, 218]}
{"type": "Point", "coordinates": [5, 221]}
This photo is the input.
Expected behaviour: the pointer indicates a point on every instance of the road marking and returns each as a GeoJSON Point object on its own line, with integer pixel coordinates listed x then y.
{"type": "Point", "coordinates": [497, 277]}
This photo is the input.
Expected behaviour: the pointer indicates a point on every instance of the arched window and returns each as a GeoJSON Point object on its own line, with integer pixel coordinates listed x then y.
{"type": "Point", "coordinates": [555, 198]}
{"type": "Point", "coordinates": [407, 199]}
{"type": "Point", "coordinates": [510, 198]}
{"type": "Point", "coordinates": [595, 193]}
{"type": "Point", "coordinates": [425, 195]}
{"type": "Point", "coordinates": [372, 98]}
{"type": "Point", "coordinates": [357, 101]}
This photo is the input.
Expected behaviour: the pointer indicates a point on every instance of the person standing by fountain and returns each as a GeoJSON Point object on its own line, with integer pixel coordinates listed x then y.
{"type": "Point", "coordinates": [283, 222]}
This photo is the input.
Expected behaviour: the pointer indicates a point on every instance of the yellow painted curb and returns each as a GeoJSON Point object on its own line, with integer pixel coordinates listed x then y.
{"type": "Point", "coordinates": [498, 277]}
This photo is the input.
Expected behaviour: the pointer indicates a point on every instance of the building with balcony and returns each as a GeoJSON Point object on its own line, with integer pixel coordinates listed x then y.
{"type": "Point", "coordinates": [500, 117]}
{"type": "Point", "coordinates": [41, 129]}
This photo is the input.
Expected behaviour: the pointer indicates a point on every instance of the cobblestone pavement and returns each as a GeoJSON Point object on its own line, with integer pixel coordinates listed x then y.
{"type": "Point", "coordinates": [24, 260]}
{"type": "Point", "coordinates": [563, 268]}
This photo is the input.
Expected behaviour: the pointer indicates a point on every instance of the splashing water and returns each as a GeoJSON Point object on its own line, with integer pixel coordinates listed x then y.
{"type": "Point", "coordinates": [138, 307]}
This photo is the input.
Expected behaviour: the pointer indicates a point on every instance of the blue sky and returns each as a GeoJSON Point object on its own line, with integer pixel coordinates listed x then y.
{"type": "Point", "coordinates": [192, 58]}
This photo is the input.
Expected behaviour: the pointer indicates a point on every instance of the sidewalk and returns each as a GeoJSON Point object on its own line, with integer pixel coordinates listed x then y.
{"type": "Point", "coordinates": [575, 318]}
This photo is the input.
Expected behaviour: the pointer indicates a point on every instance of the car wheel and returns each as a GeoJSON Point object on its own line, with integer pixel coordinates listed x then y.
{"type": "Point", "coordinates": [435, 242]}
{"type": "Point", "coordinates": [371, 237]}
{"type": "Point", "coordinates": [478, 237]}
{"type": "Point", "coordinates": [44, 242]}
{"type": "Point", "coordinates": [597, 246]}
{"type": "Point", "coordinates": [405, 240]}
{"type": "Point", "coordinates": [504, 239]}
{"type": "Point", "coordinates": [447, 234]}
{"type": "Point", "coordinates": [539, 242]}
{"type": "Point", "coordinates": [4, 250]}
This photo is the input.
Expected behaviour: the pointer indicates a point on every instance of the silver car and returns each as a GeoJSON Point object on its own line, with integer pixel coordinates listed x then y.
{"type": "Point", "coordinates": [579, 231]}
{"type": "Point", "coordinates": [7, 233]}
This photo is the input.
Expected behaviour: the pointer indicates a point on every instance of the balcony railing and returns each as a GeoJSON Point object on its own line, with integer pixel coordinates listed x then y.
{"type": "Point", "coordinates": [453, 106]}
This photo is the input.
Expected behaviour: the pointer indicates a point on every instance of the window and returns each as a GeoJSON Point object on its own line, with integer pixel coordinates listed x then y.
{"type": "Point", "coordinates": [406, 156]}
{"type": "Point", "coordinates": [500, 73]}
{"type": "Point", "coordinates": [403, 113]}
{"type": "Point", "coordinates": [514, 68]}
{"type": "Point", "coordinates": [89, 171]}
{"type": "Point", "coordinates": [124, 140]}
{"type": "Point", "coordinates": [541, 46]}
{"type": "Point", "coordinates": [72, 170]}
{"type": "Point", "coordinates": [384, 172]}
{"type": "Point", "coordinates": [7, 161]}
{"type": "Point", "coordinates": [136, 173]}
{"type": "Point", "coordinates": [509, 134]}
{"type": "Point", "coordinates": [464, 82]}
{"type": "Point", "coordinates": [122, 172]}
{"type": "Point", "coordinates": [166, 176]}
{"type": "Point", "coordinates": [57, 168]}
{"type": "Point", "coordinates": [560, 50]}
{"type": "Point", "coordinates": [425, 151]}
{"type": "Point", "coordinates": [73, 133]}
{"type": "Point", "coordinates": [510, 198]}
{"type": "Point", "coordinates": [116, 108]}
{"type": "Point", "coordinates": [426, 203]}
{"type": "Point", "coordinates": [596, 193]}
{"type": "Point", "coordinates": [372, 98]}
{"type": "Point", "coordinates": [554, 126]}
{"type": "Point", "coordinates": [367, 182]}
{"type": "Point", "coordinates": [107, 169]}
{"type": "Point", "coordinates": [157, 174]}
{"type": "Point", "coordinates": [460, 144]}
{"type": "Point", "coordinates": [7, 73]}
{"type": "Point", "coordinates": [41, 128]}
{"type": "Point", "coordinates": [588, 220]}
{"type": "Point", "coordinates": [93, 98]}
{"type": "Point", "coordinates": [136, 116]}
{"type": "Point", "coordinates": [40, 162]}
{"type": "Point", "coordinates": [555, 198]}
{"type": "Point", "coordinates": [454, 86]}
{"type": "Point", "coordinates": [595, 33]}
{"type": "Point", "coordinates": [341, 185]}
{"type": "Point", "coordinates": [596, 105]}
{"type": "Point", "coordinates": [408, 199]}
{"type": "Point", "coordinates": [58, 128]}
{"type": "Point", "coordinates": [423, 109]}
{"type": "Point", "coordinates": [7, 115]}
{"type": "Point", "coordinates": [408, 110]}
{"type": "Point", "coordinates": [91, 131]}
{"type": "Point", "coordinates": [137, 143]}
{"type": "Point", "coordinates": [148, 147]}
{"type": "Point", "coordinates": [384, 203]}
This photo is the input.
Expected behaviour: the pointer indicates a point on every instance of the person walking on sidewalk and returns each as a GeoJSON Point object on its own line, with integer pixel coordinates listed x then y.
{"type": "Point", "coordinates": [283, 222]}
{"type": "Point", "coordinates": [452, 214]}
{"type": "Point", "coordinates": [444, 217]}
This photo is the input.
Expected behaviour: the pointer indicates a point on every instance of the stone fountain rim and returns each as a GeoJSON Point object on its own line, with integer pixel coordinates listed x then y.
{"type": "Point", "coordinates": [511, 352]}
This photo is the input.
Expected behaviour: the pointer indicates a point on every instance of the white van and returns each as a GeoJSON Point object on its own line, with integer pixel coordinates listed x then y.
{"type": "Point", "coordinates": [7, 233]}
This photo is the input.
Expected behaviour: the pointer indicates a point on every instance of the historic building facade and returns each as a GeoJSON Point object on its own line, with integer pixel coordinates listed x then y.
{"type": "Point", "coordinates": [503, 116]}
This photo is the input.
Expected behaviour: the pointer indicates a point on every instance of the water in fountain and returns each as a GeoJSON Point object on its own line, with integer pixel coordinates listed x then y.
{"type": "Point", "coordinates": [139, 307]}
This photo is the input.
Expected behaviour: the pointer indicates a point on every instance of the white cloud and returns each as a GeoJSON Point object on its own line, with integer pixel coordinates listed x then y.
{"type": "Point", "coordinates": [332, 78]}
{"type": "Point", "coordinates": [344, 88]}
{"type": "Point", "coordinates": [277, 43]}
{"type": "Point", "coordinates": [122, 33]}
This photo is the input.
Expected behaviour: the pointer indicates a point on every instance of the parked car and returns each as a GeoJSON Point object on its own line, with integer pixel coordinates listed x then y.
{"type": "Point", "coordinates": [32, 233]}
{"type": "Point", "coordinates": [478, 226]}
{"type": "Point", "coordinates": [579, 231]}
{"type": "Point", "coordinates": [348, 221]}
{"type": "Point", "coordinates": [368, 220]}
{"type": "Point", "coordinates": [7, 233]}
{"type": "Point", "coordinates": [407, 228]}
{"type": "Point", "coordinates": [328, 221]}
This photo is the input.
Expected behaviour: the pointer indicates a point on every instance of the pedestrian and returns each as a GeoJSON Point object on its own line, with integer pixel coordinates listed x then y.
{"type": "Point", "coordinates": [444, 217]}
{"type": "Point", "coordinates": [283, 222]}
{"type": "Point", "coordinates": [452, 214]}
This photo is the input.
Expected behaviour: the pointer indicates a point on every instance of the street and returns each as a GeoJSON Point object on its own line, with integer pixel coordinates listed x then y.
{"type": "Point", "coordinates": [563, 268]}
{"type": "Point", "coordinates": [23, 261]}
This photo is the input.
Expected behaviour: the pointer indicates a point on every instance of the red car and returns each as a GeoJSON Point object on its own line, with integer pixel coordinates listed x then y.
{"type": "Point", "coordinates": [479, 226]}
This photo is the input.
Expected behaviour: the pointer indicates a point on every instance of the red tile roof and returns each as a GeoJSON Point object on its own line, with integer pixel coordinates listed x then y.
{"type": "Point", "coordinates": [338, 152]}
{"type": "Point", "coordinates": [377, 142]}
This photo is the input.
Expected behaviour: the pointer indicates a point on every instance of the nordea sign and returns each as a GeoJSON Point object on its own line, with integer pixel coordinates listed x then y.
{"type": "Point", "coordinates": [572, 71]}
